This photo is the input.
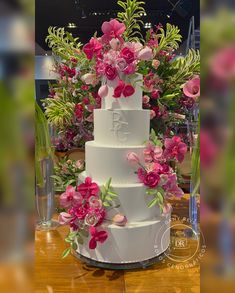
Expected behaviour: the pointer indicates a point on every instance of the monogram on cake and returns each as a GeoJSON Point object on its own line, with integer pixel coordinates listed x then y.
{"type": "Point", "coordinates": [122, 126]}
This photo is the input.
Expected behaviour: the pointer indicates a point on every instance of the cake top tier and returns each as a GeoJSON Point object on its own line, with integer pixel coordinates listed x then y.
{"type": "Point", "coordinates": [131, 102]}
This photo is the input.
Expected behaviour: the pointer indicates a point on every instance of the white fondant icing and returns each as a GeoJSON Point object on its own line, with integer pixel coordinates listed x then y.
{"type": "Point", "coordinates": [132, 202]}
{"type": "Point", "coordinates": [137, 241]}
{"type": "Point", "coordinates": [121, 127]}
{"type": "Point", "coordinates": [130, 103]}
{"type": "Point", "coordinates": [103, 162]}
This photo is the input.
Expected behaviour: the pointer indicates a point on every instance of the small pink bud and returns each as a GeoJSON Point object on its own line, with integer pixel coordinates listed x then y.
{"type": "Point", "coordinates": [119, 220]}
{"type": "Point", "coordinates": [115, 44]}
{"type": "Point", "coordinates": [155, 63]}
{"type": "Point", "coordinates": [132, 158]}
{"type": "Point", "coordinates": [103, 91]}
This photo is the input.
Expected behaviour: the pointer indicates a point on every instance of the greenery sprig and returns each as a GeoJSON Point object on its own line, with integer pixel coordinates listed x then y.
{"type": "Point", "coordinates": [73, 238]}
{"type": "Point", "coordinates": [131, 17]}
{"type": "Point", "coordinates": [107, 194]}
{"type": "Point", "coordinates": [158, 197]}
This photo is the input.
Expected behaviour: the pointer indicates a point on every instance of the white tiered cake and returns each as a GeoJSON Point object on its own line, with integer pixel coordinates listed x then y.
{"type": "Point", "coordinates": [120, 127]}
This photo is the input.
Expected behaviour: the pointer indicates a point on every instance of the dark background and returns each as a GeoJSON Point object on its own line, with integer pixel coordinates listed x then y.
{"type": "Point", "coordinates": [88, 15]}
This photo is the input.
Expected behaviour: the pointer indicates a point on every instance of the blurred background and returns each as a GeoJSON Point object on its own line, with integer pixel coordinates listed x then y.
{"type": "Point", "coordinates": [19, 88]}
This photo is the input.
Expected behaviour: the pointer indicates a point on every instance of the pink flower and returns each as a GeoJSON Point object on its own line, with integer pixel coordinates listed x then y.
{"type": "Point", "coordinates": [100, 236]}
{"type": "Point", "coordinates": [167, 208]}
{"type": "Point", "coordinates": [65, 218]}
{"type": "Point", "coordinates": [119, 220]}
{"type": "Point", "coordinates": [112, 29]}
{"type": "Point", "coordinates": [121, 64]}
{"type": "Point", "coordinates": [88, 188]}
{"type": "Point", "coordinates": [110, 72]}
{"type": "Point", "coordinates": [192, 88]}
{"type": "Point", "coordinates": [80, 212]}
{"type": "Point", "coordinates": [146, 54]}
{"type": "Point", "coordinates": [80, 164]}
{"type": "Point", "coordinates": [90, 118]}
{"type": "Point", "coordinates": [70, 197]}
{"type": "Point", "coordinates": [146, 99]}
{"type": "Point", "coordinates": [89, 78]}
{"type": "Point", "coordinates": [155, 94]}
{"type": "Point", "coordinates": [128, 55]}
{"type": "Point", "coordinates": [132, 158]}
{"type": "Point", "coordinates": [152, 114]}
{"type": "Point", "coordinates": [95, 203]}
{"type": "Point", "coordinates": [78, 111]}
{"type": "Point", "coordinates": [171, 187]}
{"type": "Point", "coordinates": [103, 91]}
{"type": "Point", "coordinates": [151, 179]}
{"type": "Point", "coordinates": [130, 69]}
{"type": "Point", "coordinates": [91, 218]}
{"type": "Point", "coordinates": [175, 148]}
{"type": "Point", "coordinates": [152, 153]}
{"type": "Point", "coordinates": [115, 44]}
{"type": "Point", "coordinates": [94, 47]}
{"type": "Point", "coordinates": [126, 89]}
{"type": "Point", "coordinates": [155, 64]}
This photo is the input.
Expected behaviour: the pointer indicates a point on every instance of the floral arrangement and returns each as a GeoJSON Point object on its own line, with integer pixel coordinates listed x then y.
{"type": "Point", "coordinates": [66, 172]}
{"type": "Point", "coordinates": [171, 85]}
{"type": "Point", "coordinates": [85, 209]}
{"type": "Point", "coordinates": [156, 173]}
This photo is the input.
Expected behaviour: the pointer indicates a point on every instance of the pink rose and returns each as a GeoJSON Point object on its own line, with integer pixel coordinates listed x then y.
{"type": "Point", "coordinates": [103, 91]}
{"type": "Point", "coordinates": [110, 72]}
{"type": "Point", "coordinates": [121, 64]}
{"type": "Point", "coordinates": [152, 114]}
{"type": "Point", "coordinates": [146, 54]}
{"type": "Point", "coordinates": [146, 99]}
{"type": "Point", "coordinates": [128, 55]}
{"type": "Point", "coordinates": [133, 158]}
{"type": "Point", "coordinates": [128, 90]}
{"type": "Point", "coordinates": [155, 64]}
{"type": "Point", "coordinates": [130, 69]}
{"type": "Point", "coordinates": [151, 179]}
{"type": "Point", "coordinates": [80, 164]}
{"type": "Point", "coordinates": [155, 94]}
{"type": "Point", "coordinates": [119, 220]}
{"type": "Point", "coordinates": [115, 44]}
{"type": "Point", "coordinates": [192, 88]}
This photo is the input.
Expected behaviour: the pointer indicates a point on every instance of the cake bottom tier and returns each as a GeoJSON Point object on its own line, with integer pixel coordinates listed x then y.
{"type": "Point", "coordinates": [136, 242]}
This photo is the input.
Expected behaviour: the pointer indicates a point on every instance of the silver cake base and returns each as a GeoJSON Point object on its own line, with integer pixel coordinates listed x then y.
{"type": "Point", "coordinates": [119, 266]}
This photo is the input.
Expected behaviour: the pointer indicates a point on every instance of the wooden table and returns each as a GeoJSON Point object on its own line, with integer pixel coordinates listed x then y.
{"type": "Point", "coordinates": [56, 275]}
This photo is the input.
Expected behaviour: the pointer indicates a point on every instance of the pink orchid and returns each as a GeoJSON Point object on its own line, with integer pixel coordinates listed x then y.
{"type": "Point", "coordinates": [112, 29]}
{"type": "Point", "coordinates": [70, 197]}
{"type": "Point", "coordinates": [94, 47]}
{"type": "Point", "coordinates": [88, 188]}
{"type": "Point", "coordinates": [191, 88]}
{"type": "Point", "coordinates": [175, 148]}
{"type": "Point", "coordinates": [126, 90]}
{"type": "Point", "coordinates": [103, 91]}
{"type": "Point", "coordinates": [146, 54]}
{"type": "Point", "coordinates": [119, 220]}
{"type": "Point", "coordinates": [152, 153]}
{"type": "Point", "coordinates": [65, 218]}
{"type": "Point", "coordinates": [171, 187]}
{"type": "Point", "coordinates": [133, 158]}
{"type": "Point", "coordinates": [96, 236]}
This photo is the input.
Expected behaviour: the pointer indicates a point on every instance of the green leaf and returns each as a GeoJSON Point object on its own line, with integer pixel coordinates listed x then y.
{"type": "Point", "coordinates": [107, 204]}
{"type": "Point", "coordinates": [113, 194]}
{"type": "Point", "coordinates": [151, 191]}
{"type": "Point", "coordinates": [74, 245]}
{"type": "Point", "coordinates": [153, 202]}
{"type": "Point", "coordinates": [107, 185]}
{"type": "Point", "coordinates": [66, 252]}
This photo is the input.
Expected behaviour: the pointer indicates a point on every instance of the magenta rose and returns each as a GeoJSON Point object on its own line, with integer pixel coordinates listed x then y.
{"type": "Point", "coordinates": [110, 72]}
{"type": "Point", "coordinates": [151, 179]}
{"type": "Point", "coordinates": [128, 55]}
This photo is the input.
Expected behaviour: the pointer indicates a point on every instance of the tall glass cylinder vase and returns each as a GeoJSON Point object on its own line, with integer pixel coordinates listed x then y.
{"type": "Point", "coordinates": [45, 195]}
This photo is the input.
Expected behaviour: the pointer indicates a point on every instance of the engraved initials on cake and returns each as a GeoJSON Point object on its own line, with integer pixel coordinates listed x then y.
{"type": "Point", "coordinates": [119, 125]}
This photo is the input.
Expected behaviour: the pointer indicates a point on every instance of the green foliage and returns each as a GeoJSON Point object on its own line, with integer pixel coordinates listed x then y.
{"type": "Point", "coordinates": [43, 148]}
{"type": "Point", "coordinates": [74, 238]}
{"type": "Point", "coordinates": [62, 43]}
{"type": "Point", "coordinates": [154, 138]}
{"type": "Point", "coordinates": [107, 194]}
{"type": "Point", "coordinates": [158, 197]}
{"type": "Point", "coordinates": [195, 176]}
{"type": "Point", "coordinates": [170, 38]}
{"type": "Point", "coordinates": [60, 111]}
{"type": "Point", "coordinates": [131, 17]}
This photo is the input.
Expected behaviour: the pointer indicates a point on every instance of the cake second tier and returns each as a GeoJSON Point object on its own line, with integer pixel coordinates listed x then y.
{"type": "Point", "coordinates": [103, 162]}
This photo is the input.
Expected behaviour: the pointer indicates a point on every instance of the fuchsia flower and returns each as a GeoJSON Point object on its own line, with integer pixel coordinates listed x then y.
{"type": "Point", "coordinates": [130, 69]}
{"type": "Point", "coordinates": [132, 158]}
{"type": "Point", "coordinates": [128, 55]}
{"type": "Point", "coordinates": [126, 90]}
{"type": "Point", "coordinates": [151, 179]}
{"type": "Point", "coordinates": [88, 188]}
{"type": "Point", "coordinates": [155, 94]}
{"type": "Point", "coordinates": [96, 236]}
{"type": "Point", "coordinates": [110, 72]}
{"type": "Point", "coordinates": [112, 29]}
{"type": "Point", "coordinates": [146, 54]}
{"type": "Point", "coordinates": [78, 111]}
{"type": "Point", "coordinates": [191, 88]}
{"type": "Point", "coordinates": [94, 47]}
{"type": "Point", "coordinates": [70, 197]}
{"type": "Point", "coordinates": [152, 153]}
{"type": "Point", "coordinates": [175, 148]}
{"type": "Point", "coordinates": [171, 187]}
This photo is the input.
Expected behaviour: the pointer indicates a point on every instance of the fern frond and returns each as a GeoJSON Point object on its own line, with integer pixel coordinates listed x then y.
{"type": "Point", "coordinates": [131, 17]}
